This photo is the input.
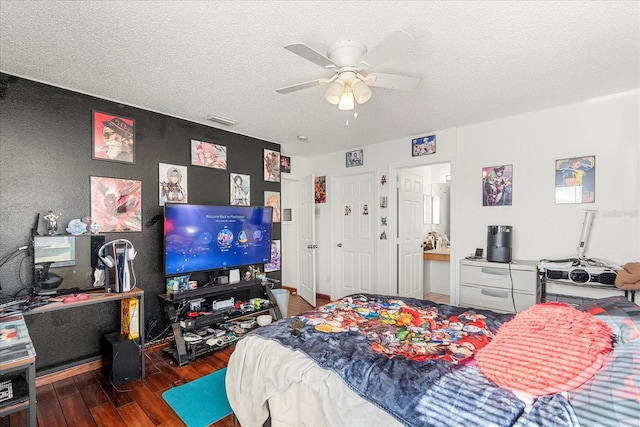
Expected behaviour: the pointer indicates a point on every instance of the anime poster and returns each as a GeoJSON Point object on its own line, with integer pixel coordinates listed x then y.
{"type": "Point", "coordinates": [355, 158]}
{"type": "Point", "coordinates": [497, 184]}
{"type": "Point", "coordinates": [272, 198]}
{"type": "Point", "coordinates": [320, 189]}
{"type": "Point", "coordinates": [285, 164]}
{"type": "Point", "coordinates": [240, 189]}
{"type": "Point", "coordinates": [116, 204]}
{"type": "Point", "coordinates": [423, 146]}
{"type": "Point", "coordinates": [113, 138]}
{"type": "Point", "coordinates": [208, 155]}
{"type": "Point", "coordinates": [271, 166]}
{"type": "Point", "coordinates": [576, 180]}
{"type": "Point", "coordinates": [172, 186]}
{"type": "Point", "coordinates": [274, 264]}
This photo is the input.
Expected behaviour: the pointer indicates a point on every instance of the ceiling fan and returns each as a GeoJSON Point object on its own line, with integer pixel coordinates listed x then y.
{"type": "Point", "coordinates": [350, 62]}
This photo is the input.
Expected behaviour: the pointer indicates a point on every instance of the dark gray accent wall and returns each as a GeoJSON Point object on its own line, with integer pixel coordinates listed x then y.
{"type": "Point", "coordinates": [46, 164]}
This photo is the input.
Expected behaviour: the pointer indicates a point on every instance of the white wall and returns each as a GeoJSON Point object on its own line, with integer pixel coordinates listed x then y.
{"type": "Point", "coordinates": [607, 128]}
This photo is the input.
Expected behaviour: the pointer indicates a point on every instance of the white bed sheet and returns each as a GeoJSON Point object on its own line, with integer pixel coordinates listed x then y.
{"type": "Point", "coordinates": [265, 379]}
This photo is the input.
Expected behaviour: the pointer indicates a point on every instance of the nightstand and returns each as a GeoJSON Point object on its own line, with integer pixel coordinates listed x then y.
{"type": "Point", "coordinates": [503, 287]}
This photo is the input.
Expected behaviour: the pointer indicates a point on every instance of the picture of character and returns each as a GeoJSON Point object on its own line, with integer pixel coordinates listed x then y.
{"type": "Point", "coordinates": [208, 155]}
{"type": "Point", "coordinates": [285, 164]}
{"type": "Point", "coordinates": [271, 166]}
{"type": "Point", "coordinates": [173, 184]}
{"type": "Point", "coordinates": [116, 204]}
{"type": "Point", "coordinates": [113, 138]}
{"type": "Point", "coordinates": [272, 198]}
{"type": "Point", "coordinates": [496, 185]}
{"type": "Point", "coordinates": [355, 158]}
{"type": "Point", "coordinates": [575, 180]}
{"type": "Point", "coordinates": [274, 264]}
{"type": "Point", "coordinates": [240, 190]}
{"type": "Point", "coordinates": [320, 189]}
{"type": "Point", "coordinates": [423, 146]}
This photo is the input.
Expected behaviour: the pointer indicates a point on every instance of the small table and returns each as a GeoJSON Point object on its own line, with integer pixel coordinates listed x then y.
{"type": "Point", "coordinates": [18, 355]}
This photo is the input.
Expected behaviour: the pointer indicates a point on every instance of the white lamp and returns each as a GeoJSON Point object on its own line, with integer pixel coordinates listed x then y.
{"type": "Point", "coordinates": [346, 100]}
{"type": "Point", "coordinates": [361, 91]}
{"type": "Point", "coordinates": [334, 92]}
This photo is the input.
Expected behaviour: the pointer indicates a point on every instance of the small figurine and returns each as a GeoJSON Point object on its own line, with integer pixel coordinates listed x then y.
{"type": "Point", "coordinates": [52, 223]}
{"type": "Point", "coordinates": [76, 227]}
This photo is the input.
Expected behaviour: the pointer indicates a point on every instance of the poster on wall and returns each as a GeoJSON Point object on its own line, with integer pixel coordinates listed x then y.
{"type": "Point", "coordinates": [497, 184]}
{"type": "Point", "coordinates": [271, 166]}
{"type": "Point", "coordinates": [172, 180]}
{"type": "Point", "coordinates": [320, 189]}
{"type": "Point", "coordinates": [423, 146]}
{"type": "Point", "coordinates": [355, 158]}
{"type": "Point", "coordinates": [240, 189]}
{"type": "Point", "coordinates": [285, 164]}
{"type": "Point", "coordinates": [112, 138]}
{"type": "Point", "coordinates": [272, 198]}
{"type": "Point", "coordinates": [274, 264]}
{"type": "Point", "coordinates": [575, 180]}
{"type": "Point", "coordinates": [116, 204]}
{"type": "Point", "coordinates": [208, 155]}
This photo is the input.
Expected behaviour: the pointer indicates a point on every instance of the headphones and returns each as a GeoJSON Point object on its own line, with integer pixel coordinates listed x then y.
{"type": "Point", "coordinates": [107, 259]}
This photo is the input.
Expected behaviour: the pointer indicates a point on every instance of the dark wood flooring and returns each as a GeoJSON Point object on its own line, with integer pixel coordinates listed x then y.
{"type": "Point", "coordinates": [88, 399]}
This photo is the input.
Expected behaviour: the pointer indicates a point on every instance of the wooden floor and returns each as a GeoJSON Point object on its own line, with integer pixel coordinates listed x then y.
{"type": "Point", "coordinates": [88, 399]}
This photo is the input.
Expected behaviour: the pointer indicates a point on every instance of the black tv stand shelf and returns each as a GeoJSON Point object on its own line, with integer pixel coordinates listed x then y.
{"type": "Point", "coordinates": [208, 326]}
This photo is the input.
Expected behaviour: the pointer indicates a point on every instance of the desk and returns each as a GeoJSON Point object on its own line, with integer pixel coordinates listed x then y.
{"type": "Point", "coordinates": [16, 357]}
{"type": "Point", "coordinates": [102, 297]}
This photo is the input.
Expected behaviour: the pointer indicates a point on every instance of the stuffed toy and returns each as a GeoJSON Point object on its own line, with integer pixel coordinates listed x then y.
{"type": "Point", "coordinates": [629, 278]}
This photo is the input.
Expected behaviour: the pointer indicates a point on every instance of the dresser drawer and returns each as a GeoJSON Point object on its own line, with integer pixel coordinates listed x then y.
{"type": "Point", "coordinates": [496, 299]}
{"type": "Point", "coordinates": [499, 277]}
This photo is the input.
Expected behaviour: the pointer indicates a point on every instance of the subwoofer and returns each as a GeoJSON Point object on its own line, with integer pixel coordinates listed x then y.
{"type": "Point", "coordinates": [121, 360]}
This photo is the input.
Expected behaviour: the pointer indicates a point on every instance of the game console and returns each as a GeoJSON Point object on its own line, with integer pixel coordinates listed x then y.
{"type": "Point", "coordinates": [119, 255]}
{"type": "Point", "coordinates": [217, 305]}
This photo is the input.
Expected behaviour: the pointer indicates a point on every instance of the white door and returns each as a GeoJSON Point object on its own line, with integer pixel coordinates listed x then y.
{"type": "Point", "coordinates": [355, 235]}
{"type": "Point", "coordinates": [410, 260]}
{"type": "Point", "coordinates": [307, 242]}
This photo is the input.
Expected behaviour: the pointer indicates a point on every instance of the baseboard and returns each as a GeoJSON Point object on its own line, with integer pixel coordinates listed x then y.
{"type": "Point", "coordinates": [294, 291]}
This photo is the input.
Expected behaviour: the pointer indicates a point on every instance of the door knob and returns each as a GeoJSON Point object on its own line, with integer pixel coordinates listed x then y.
{"type": "Point", "coordinates": [339, 245]}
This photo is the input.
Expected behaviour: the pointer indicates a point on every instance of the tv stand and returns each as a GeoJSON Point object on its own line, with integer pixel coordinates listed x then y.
{"type": "Point", "coordinates": [208, 325]}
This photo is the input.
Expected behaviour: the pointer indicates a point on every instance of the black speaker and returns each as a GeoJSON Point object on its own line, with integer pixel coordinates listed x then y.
{"type": "Point", "coordinates": [96, 242]}
{"type": "Point", "coordinates": [121, 360]}
{"type": "Point", "coordinates": [499, 243]}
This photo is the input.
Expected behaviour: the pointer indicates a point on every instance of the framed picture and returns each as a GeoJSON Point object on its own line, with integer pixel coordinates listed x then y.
{"type": "Point", "coordinates": [240, 189]}
{"type": "Point", "coordinates": [116, 204]}
{"type": "Point", "coordinates": [112, 138]}
{"type": "Point", "coordinates": [576, 180]}
{"type": "Point", "coordinates": [285, 164]}
{"type": "Point", "coordinates": [423, 146]}
{"type": "Point", "coordinates": [272, 198]}
{"type": "Point", "coordinates": [355, 158]}
{"type": "Point", "coordinates": [208, 155]}
{"type": "Point", "coordinates": [497, 185]}
{"type": "Point", "coordinates": [274, 264]}
{"type": "Point", "coordinates": [172, 184]}
{"type": "Point", "coordinates": [320, 189]}
{"type": "Point", "coordinates": [271, 165]}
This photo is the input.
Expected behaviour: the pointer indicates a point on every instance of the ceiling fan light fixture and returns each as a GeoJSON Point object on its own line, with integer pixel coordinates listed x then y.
{"type": "Point", "coordinates": [347, 101]}
{"type": "Point", "coordinates": [334, 92]}
{"type": "Point", "coordinates": [361, 91]}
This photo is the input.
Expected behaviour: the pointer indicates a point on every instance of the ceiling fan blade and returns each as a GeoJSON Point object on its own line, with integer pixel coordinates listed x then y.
{"type": "Point", "coordinates": [312, 55]}
{"type": "Point", "coordinates": [393, 45]}
{"type": "Point", "coordinates": [391, 81]}
{"type": "Point", "coordinates": [301, 86]}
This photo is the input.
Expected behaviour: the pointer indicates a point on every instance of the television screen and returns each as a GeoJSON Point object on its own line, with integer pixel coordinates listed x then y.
{"type": "Point", "coordinates": [201, 237]}
{"type": "Point", "coordinates": [58, 250]}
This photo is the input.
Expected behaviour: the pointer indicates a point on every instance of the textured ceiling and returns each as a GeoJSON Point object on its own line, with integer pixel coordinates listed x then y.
{"type": "Point", "coordinates": [477, 60]}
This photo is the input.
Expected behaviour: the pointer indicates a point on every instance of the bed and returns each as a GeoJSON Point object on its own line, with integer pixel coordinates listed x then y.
{"type": "Point", "coordinates": [374, 360]}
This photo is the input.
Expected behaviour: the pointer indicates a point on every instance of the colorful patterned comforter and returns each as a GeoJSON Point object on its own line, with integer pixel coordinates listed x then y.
{"type": "Point", "coordinates": [403, 355]}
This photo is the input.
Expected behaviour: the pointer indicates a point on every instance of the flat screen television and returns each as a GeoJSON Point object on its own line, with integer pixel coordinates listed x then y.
{"type": "Point", "coordinates": [204, 238]}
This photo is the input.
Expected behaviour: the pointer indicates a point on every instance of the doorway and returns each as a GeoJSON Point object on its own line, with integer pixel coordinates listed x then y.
{"type": "Point", "coordinates": [439, 276]}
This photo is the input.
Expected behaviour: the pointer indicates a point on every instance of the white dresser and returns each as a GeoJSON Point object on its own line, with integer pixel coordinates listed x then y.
{"type": "Point", "coordinates": [503, 287]}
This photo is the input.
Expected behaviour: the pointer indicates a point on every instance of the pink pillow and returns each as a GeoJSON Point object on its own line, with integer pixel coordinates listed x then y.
{"type": "Point", "coordinates": [548, 348]}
